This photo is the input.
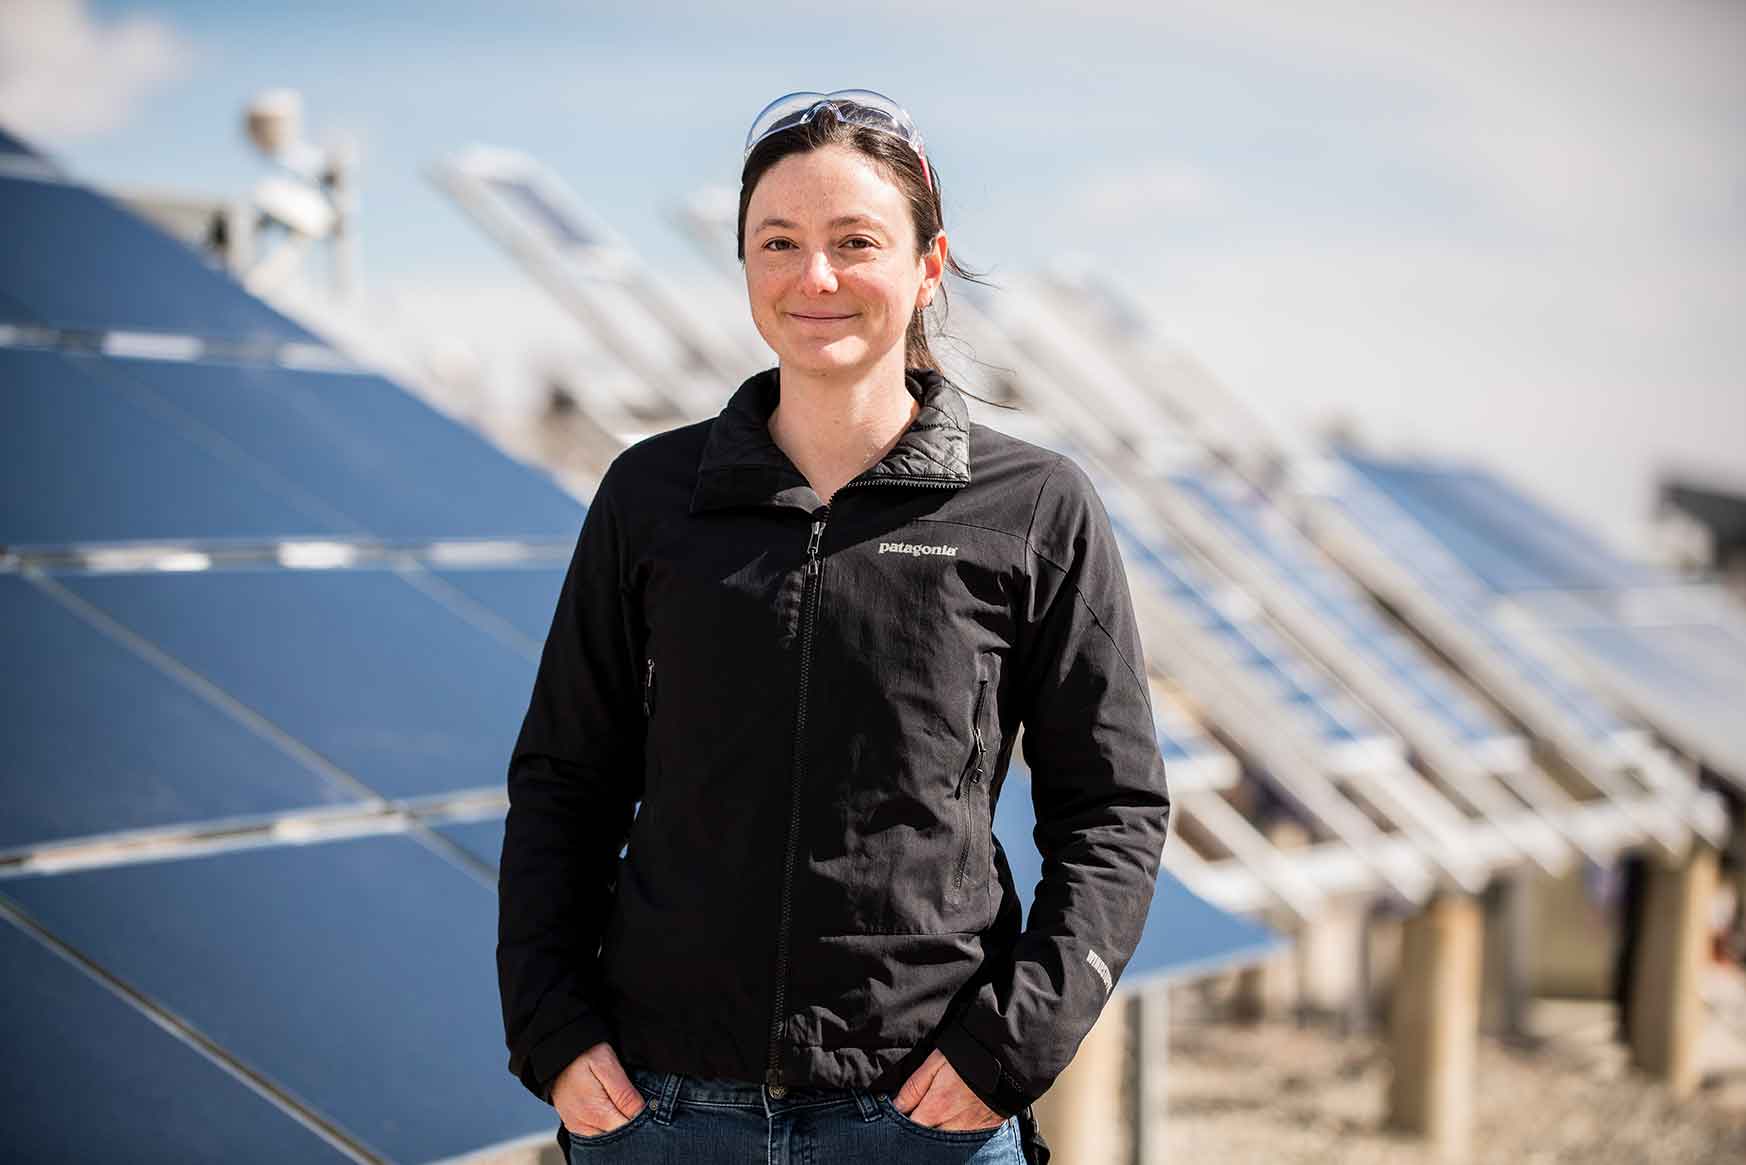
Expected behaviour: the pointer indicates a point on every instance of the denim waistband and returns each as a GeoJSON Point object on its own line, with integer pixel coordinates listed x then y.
{"type": "Point", "coordinates": [676, 1086]}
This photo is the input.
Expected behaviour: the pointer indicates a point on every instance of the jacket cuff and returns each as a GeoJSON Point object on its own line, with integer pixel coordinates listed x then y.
{"type": "Point", "coordinates": [982, 1070]}
{"type": "Point", "coordinates": [559, 1050]}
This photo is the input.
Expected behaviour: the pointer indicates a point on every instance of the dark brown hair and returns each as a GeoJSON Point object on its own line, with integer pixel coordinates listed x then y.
{"type": "Point", "coordinates": [901, 163]}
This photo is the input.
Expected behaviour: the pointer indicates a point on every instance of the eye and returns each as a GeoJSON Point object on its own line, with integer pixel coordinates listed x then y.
{"type": "Point", "coordinates": [776, 244]}
{"type": "Point", "coordinates": [859, 242]}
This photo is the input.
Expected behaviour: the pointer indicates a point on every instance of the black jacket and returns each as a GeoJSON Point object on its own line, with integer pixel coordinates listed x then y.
{"type": "Point", "coordinates": [815, 706]}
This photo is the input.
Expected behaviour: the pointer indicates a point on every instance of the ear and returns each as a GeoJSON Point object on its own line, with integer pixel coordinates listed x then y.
{"type": "Point", "coordinates": [933, 260]}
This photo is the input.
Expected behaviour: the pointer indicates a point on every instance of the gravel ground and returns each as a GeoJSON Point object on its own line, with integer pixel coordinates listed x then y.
{"type": "Point", "coordinates": [1281, 1092]}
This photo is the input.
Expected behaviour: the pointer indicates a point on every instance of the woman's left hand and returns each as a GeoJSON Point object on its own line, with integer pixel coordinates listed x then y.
{"type": "Point", "coordinates": [936, 1096]}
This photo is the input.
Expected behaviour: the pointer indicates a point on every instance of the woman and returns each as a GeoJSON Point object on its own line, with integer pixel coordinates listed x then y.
{"type": "Point", "coordinates": [803, 635]}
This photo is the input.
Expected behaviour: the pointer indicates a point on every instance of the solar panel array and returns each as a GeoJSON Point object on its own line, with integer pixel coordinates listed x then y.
{"type": "Point", "coordinates": [253, 637]}
{"type": "Point", "coordinates": [1674, 654]}
{"type": "Point", "coordinates": [1294, 563]}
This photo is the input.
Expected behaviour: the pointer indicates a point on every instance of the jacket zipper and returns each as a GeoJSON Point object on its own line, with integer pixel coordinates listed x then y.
{"type": "Point", "coordinates": [972, 772]}
{"type": "Point", "coordinates": [649, 690]}
{"type": "Point", "coordinates": [808, 614]}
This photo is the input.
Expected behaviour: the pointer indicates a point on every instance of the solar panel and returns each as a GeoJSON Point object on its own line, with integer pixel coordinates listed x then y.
{"type": "Point", "coordinates": [523, 596]}
{"type": "Point", "coordinates": [1184, 935]}
{"type": "Point", "coordinates": [225, 451]}
{"type": "Point", "coordinates": [1443, 577]}
{"type": "Point", "coordinates": [1507, 540]}
{"type": "Point", "coordinates": [84, 458]}
{"type": "Point", "coordinates": [102, 1079]}
{"type": "Point", "coordinates": [356, 975]}
{"type": "Point", "coordinates": [1303, 689]}
{"type": "Point", "coordinates": [363, 447]}
{"type": "Point", "coordinates": [373, 673]}
{"type": "Point", "coordinates": [101, 739]}
{"type": "Point", "coordinates": [85, 263]}
{"type": "Point", "coordinates": [1291, 562]}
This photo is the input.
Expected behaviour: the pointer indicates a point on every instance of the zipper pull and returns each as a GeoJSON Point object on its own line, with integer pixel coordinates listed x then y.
{"type": "Point", "coordinates": [812, 546]}
{"type": "Point", "coordinates": [649, 690]}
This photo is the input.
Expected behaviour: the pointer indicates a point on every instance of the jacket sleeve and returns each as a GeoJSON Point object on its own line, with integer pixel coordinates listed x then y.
{"type": "Point", "coordinates": [575, 777]}
{"type": "Point", "coordinates": [1102, 806]}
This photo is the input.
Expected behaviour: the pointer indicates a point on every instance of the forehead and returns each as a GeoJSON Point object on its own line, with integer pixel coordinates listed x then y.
{"type": "Point", "coordinates": [827, 183]}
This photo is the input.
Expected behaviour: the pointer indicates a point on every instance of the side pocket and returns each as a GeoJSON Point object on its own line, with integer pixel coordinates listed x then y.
{"type": "Point", "coordinates": [968, 890]}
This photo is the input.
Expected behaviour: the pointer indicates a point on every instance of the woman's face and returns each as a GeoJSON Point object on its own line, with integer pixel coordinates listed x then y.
{"type": "Point", "coordinates": [832, 273]}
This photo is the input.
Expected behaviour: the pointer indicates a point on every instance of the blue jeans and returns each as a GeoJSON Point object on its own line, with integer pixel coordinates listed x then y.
{"type": "Point", "coordinates": [690, 1120]}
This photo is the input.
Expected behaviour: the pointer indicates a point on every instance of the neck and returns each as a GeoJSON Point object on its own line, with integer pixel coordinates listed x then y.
{"type": "Point", "coordinates": [835, 427]}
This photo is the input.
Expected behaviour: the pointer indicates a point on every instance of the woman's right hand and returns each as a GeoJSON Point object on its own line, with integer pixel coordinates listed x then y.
{"type": "Point", "coordinates": [594, 1095]}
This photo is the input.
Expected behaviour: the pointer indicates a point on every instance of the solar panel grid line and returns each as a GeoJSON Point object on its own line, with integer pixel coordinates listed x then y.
{"type": "Point", "coordinates": [186, 1034]}
{"type": "Point", "coordinates": [173, 347]}
{"type": "Point", "coordinates": [144, 556]}
{"type": "Point", "coordinates": [1543, 715]}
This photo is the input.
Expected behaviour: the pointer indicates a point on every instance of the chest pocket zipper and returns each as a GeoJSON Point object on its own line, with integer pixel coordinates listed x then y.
{"type": "Point", "coordinates": [967, 818]}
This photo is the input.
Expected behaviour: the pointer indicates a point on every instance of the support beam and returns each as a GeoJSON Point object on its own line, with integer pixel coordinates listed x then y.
{"type": "Point", "coordinates": [1434, 1024]}
{"type": "Point", "coordinates": [1508, 937]}
{"type": "Point", "coordinates": [1081, 1115]}
{"type": "Point", "coordinates": [1666, 1013]}
{"type": "Point", "coordinates": [1148, 1060]}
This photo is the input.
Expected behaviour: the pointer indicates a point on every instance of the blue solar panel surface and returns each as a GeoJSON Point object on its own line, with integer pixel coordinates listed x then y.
{"type": "Point", "coordinates": [101, 1080]}
{"type": "Point", "coordinates": [361, 447]}
{"type": "Point", "coordinates": [86, 458]}
{"type": "Point", "coordinates": [358, 975]}
{"type": "Point", "coordinates": [1503, 536]}
{"type": "Point", "coordinates": [372, 673]}
{"type": "Point", "coordinates": [230, 452]}
{"type": "Point", "coordinates": [1344, 608]}
{"type": "Point", "coordinates": [100, 739]}
{"type": "Point", "coordinates": [88, 264]}
{"type": "Point", "coordinates": [523, 596]}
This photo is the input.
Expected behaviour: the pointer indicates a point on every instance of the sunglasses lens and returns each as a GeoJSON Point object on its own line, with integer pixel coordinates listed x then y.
{"type": "Point", "coordinates": [855, 106]}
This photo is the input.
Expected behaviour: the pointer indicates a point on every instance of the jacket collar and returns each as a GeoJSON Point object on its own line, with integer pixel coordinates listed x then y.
{"type": "Point", "coordinates": [742, 464]}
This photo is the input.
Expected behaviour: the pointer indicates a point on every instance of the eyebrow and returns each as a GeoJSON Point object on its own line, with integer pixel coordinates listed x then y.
{"type": "Point", "coordinates": [840, 221]}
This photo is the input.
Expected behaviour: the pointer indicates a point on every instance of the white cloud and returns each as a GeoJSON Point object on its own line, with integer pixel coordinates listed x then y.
{"type": "Point", "coordinates": [1157, 189]}
{"type": "Point", "coordinates": [67, 73]}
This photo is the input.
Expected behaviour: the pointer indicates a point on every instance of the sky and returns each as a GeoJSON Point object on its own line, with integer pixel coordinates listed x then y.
{"type": "Point", "coordinates": [1512, 233]}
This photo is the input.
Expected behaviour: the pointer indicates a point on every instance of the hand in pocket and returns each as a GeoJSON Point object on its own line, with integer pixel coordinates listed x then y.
{"type": "Point", "coordinates": [594, 1095]}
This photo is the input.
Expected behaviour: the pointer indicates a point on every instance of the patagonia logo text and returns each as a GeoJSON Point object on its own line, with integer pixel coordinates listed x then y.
{"type": "Point", "coordinates": [916, 549]}
{"type": "Point", "coordinates": [1097, 965]}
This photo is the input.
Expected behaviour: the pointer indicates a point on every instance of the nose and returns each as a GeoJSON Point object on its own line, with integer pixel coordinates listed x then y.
{"type": "Point", "coordinates": [818, 277]}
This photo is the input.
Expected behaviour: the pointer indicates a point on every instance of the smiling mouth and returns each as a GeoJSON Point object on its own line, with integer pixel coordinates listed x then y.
{"type": "Point", "coordinates": [799, 316]}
